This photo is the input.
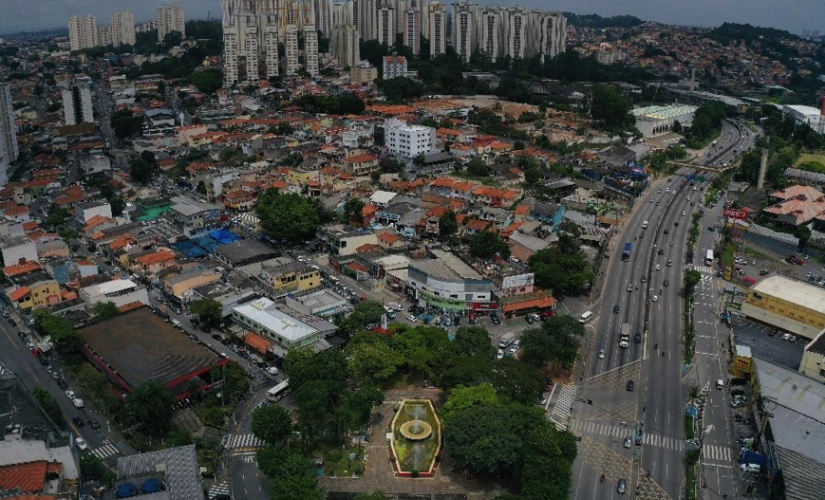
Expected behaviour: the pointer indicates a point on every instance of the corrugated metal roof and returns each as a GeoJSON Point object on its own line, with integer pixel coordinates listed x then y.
{"type": "Point", "coordinates": [264, 313]}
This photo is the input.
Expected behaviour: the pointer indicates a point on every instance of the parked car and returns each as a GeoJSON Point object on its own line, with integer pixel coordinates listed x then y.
{"type": "Point", "coordinates": [630, 386]}
{"type": "Point", "coordinates": [78, 422]}
{"type": "Point", "coordinates": [81, 444]}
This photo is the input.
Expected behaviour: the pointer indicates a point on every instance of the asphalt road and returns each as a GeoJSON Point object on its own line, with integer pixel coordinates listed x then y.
{"type": "Point", "coordinates": [106, 442]}
{"type": "Point", "coordinates": [606, 412]}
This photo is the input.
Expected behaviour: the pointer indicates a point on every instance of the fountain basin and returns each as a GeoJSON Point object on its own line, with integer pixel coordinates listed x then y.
{"type": "Point", "coordinates": [415, 438]}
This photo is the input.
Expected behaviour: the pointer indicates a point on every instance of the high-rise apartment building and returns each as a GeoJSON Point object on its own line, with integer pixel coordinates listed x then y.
{"type": "Point", "coordinates": [464, 36]}
{"type": "Point", "coordinates": [408, 141]}
{"type": "Point", "coordinates": [385, 33]}
{"type": "Point", "coordinates": [123, 28]}
{"type": "Point", "coordinates": [548, 33]}
{"type": "Point", "coordinates": [170, 18]}
{"type": "Point", "coordinates": [423, 8]}
{"type": "Point", "coordinates": [82, 32]}
{"type": "Point", "coordinates": [341, 14]}
{"type": "Point", "coordinates": [491, 32]}
{"type": "Point", "coordinates": [311, 50]}
{"type": "Point", "coordinates": [437, 34]}
{"type": "Point", "coordinates": [250, 36]}
{"type": "Point", "coordinates": [322, 16]}
{"type": "Point", "coordinates": [104, 35]}
{"type": "Point", "coordinates": [291, 47]}
{"type": "Point", "coordinates": [515, 32]}
{"type": "Point", "coordinates": [412, 30]}
{"type": "Point", "coordinates": [344, 45]}
{"type": "Point", "coordinates": [8, 133]}
{"type": "Point", "coordinates": [394, 67]}
{"type": "Point", "coordinates": [77, 103]}
{"type": "Point", "coordinates": [364, 17]}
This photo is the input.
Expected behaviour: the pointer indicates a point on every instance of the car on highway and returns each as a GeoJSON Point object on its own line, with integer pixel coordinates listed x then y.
{"type": "Point", "coordinates": [661, 251]}
{"type": "Point", "coordinates": [629, 288]}
{"type": "Point", "coordinates": [94, 424]}
{"type": "Point", "coordinates": [666, 231]}
{"type": "Point", "coordinates": [654, 298]}
{"type": "Point", "coordinates": [62, 383]}
{"type": "Point", "coordinates": [81, 444]}
{"type": "Point", "coordinates": [676, 223]}
{"type": "Point", "coordinates": [630, 386]}
{"type": "Point", "coordinates": [616, 309]}
{"type": "Point", "coordinates": [644, 279]}
{"type": "Point", "coordinates": [666, 283]}
{"type": "Point", "coordinates": [637, 338]}
{"type": "Point", "coordinates": [669, 262]}
{"type": "Point", "coordinates": [657, 203]}
{"type": "Point", "coordinates": [601, 353]}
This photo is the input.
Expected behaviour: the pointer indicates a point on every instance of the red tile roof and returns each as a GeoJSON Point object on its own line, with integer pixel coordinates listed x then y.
{"type": "Point", "coordinates": [23, 268]}
{"type": "Point", "coordinates": [25, 478]}
{"type": "Point", "coordinates": [20, 293]}
{"type": "Point", "coordinates": [155, 257]}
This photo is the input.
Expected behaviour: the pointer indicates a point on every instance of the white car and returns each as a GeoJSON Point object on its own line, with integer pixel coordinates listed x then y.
{"type": "Point", "coordinates": [81, 444]}
{"type": "Point", "coordinates": [787, 336]}
{"type": "Point", "coordinates": [411, 318]}
{"type": "Point", "coordinates": [500, 354]}
{"type": "Point", "coordinates": [271, 370]}
{"type": "Point", "coordinates": [70, 394]}
{"type": "Point", "coordinates": [655, 298]}
{"type": "Point", "coordinates": [78, 403]}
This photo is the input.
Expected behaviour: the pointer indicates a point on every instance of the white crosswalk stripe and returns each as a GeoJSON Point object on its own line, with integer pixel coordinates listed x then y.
{"type": "Point", "coordinates": [621, 432]}
{"type": "Point", "coordinates": [564, 404]}
{"type": "Point", "coordinates": [221, 488]}
{"type": "Point", "coordinates": [105, 451]}
{"type": "Point", "coordinates": [704, 269]}
{"type": "Point", "coordinates": [716, 453]}
{"type": "Point", "coordinates": [243, 441]}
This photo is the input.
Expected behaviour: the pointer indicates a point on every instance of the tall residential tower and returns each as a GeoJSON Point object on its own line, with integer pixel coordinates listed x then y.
{"type": "Point", "coordinates": [169, 18]}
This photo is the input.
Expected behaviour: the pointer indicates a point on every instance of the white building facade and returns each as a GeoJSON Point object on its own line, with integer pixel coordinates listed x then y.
{"type": "Point", "coordinates": [123, 28]}
{"type": "Point", "coordinates": [170, 18]}
{"type": "Point", "coordinates": [408, 141]}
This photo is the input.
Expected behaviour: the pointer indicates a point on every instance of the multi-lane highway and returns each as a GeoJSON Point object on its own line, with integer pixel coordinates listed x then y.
{"type": "Point", "coordinates": [644, 292]}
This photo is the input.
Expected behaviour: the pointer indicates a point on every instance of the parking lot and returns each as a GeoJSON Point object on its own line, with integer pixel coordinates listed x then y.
{"type": "Point", "coordinates": [771, 348]}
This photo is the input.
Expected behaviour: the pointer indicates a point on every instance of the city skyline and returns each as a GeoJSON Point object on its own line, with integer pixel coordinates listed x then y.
{"type": "Point", "coordinates": [794, 16]}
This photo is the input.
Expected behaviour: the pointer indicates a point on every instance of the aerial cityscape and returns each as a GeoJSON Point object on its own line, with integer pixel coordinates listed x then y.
{"type": "Point", "coordinates": [410, 249]}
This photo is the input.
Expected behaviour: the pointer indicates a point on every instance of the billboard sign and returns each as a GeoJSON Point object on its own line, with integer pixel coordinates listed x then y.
{"type": "Point", "coordinates": [736, 214]}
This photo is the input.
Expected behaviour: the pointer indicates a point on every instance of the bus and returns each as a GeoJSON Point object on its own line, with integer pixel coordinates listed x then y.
{"type": "Point", "coordinates": [709, 257]}
{"type": "Point", "coordinates": [626, 252]}
{"type": "Point", "coordinates": [278, 392]}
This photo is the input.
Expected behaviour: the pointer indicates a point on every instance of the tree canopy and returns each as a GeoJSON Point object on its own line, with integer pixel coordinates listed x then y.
{"type": "Point", "coordinates": [209, 311]}
{"type": "Point", "coordinates": [271, 424]}
{"type": "Point", "coordinates": [341, 104]}
{"type": "Point", "coordinates": [486, 245]}
{"type": "Point", "coordinates": [105, 310]}
{"type": "Point", "coordinates": [611, 108]}
{"type": "Point", "coordinates": [561, 272]}
{"type": "Point", "coordinates": [554, 341]}
{"type": "Point", "coordinates": [150, 404]}
{"type": "Point", "coordinates": [289, 217]}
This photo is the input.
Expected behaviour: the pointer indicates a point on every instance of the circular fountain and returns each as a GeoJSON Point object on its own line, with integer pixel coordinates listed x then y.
{"type": "Point", "coordinates": [415, 439]}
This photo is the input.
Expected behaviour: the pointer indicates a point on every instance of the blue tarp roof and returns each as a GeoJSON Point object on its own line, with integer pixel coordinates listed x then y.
{"type": "Point", "coordinates": [224, 236]}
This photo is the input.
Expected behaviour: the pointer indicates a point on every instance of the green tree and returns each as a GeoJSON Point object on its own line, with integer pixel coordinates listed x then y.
{"type": "Point", "coordinates": [517, 381]}
{"type": "Point", "coordinates": [365, 313]}
{"type": "Point", "coordinates": [91, 466]}
{"type": "Point", "coordinates": [565, 273]}
{"type": "Point", "coordinates": [447, 225]}
{"type": "Point", "coordinates": [293, 475]}
{"type": "Point", "coordinates": [804, 234]}
{"type": "Point", "coordinates": [207, 81]}
{"type": "Point", "coordinates": [228, 154]}
{"type": "Point", "coordinates": [151, 406]}
{"type": "Point", "coordinates": [209, 311]}
{"type": "Point", "coordinates": [48, 403]}
{"type": "Point", "coordinates": [58, 216]}
{"type": "Point", "coordinates": [486, 245]}
{"type": "Point", "coordinates": [353, 210]}
{"type": "Point", "coordinates": [271, 424]}
{"type": "Point", "coordinates": [462, 397]}
{"type": "Point", "coordinates": [391, 166]}
{"type": "Point", "coordinates": [555, 341]}
{"type": "Point", "coordinates": [125, 124]}
{"type": "Point", "coordinates": [235, 380]}
{"type": "Point", "coordinates": [691, 279]}
{"type": "Point", "coordinates": [358, 405]}
{"type": "Point", "coordinates": [373, 360]}
{"type": "Point", "coordinates": [473, 341]}
{"type": "Point", "coordinates": [477, 168]}
{"type": "Point", "coordinates": [290, 217]}
{"type": "Point", "coordinates": [610, 108]}
{"type": "Point", "coordinates": [142, 171]}
{"type": "Point", "coordinates": [60, 329]}
{"type": "Point", "coordinates": [401, 89]}
{"type": "Point", "coordinates": [105, 310]}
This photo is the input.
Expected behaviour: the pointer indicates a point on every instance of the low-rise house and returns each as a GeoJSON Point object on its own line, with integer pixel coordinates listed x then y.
{"type": "Point", "coordinates": [291, 277]}
{"type": "Point", "coordinates": [342, 240]}
{"type": "Point", "coordinates": [282, 330]}
{"type": "Point", "coordinates": [153, 262]}
{"type": "Point", "coordinates": [245, 252]}
{"type": "Point", "coordinates": [180, 284]}
{"type": "Point", "coordinates": [119, 291]}
{"type": "Point", "coordinates": [18, 249]}
{"type": "Point", "coordinates": [86, 211]}
{"type": "Point", "coordinates": [195, 216]}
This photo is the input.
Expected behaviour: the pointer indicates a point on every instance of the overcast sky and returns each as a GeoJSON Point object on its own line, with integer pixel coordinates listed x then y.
{"type": "Point", "coordinates": [792, 15]}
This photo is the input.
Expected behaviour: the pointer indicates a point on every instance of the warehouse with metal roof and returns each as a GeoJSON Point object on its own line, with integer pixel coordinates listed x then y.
{"type": "Point", "coordinates": [658, 120]}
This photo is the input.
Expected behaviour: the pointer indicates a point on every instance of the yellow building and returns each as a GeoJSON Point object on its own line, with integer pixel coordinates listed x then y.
{"type": "Point", "coordinates": [794, 306]}
{"type": "Point", "coordinates": [301, 176]}
{"type": "Point", "coordinates": [813, 359]}
{"type": "Point", "coordinates": [39, 294]}
{"type": "Point", "coordinates": [182, 283]}
{"type": "Point", "coordinates": [291, 277]}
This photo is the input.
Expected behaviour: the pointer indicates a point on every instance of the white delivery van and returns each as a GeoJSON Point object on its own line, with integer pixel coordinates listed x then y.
{"type": "Point", "coordinates": [586, 317]}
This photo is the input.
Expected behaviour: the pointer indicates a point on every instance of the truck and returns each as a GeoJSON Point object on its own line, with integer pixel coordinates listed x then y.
{"type": "Point", "coordinates": [506, 340]}
{"type": "Point", "coordinates": [624, 336]}
{"type": "Point", "coordinates": [626, 252]}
